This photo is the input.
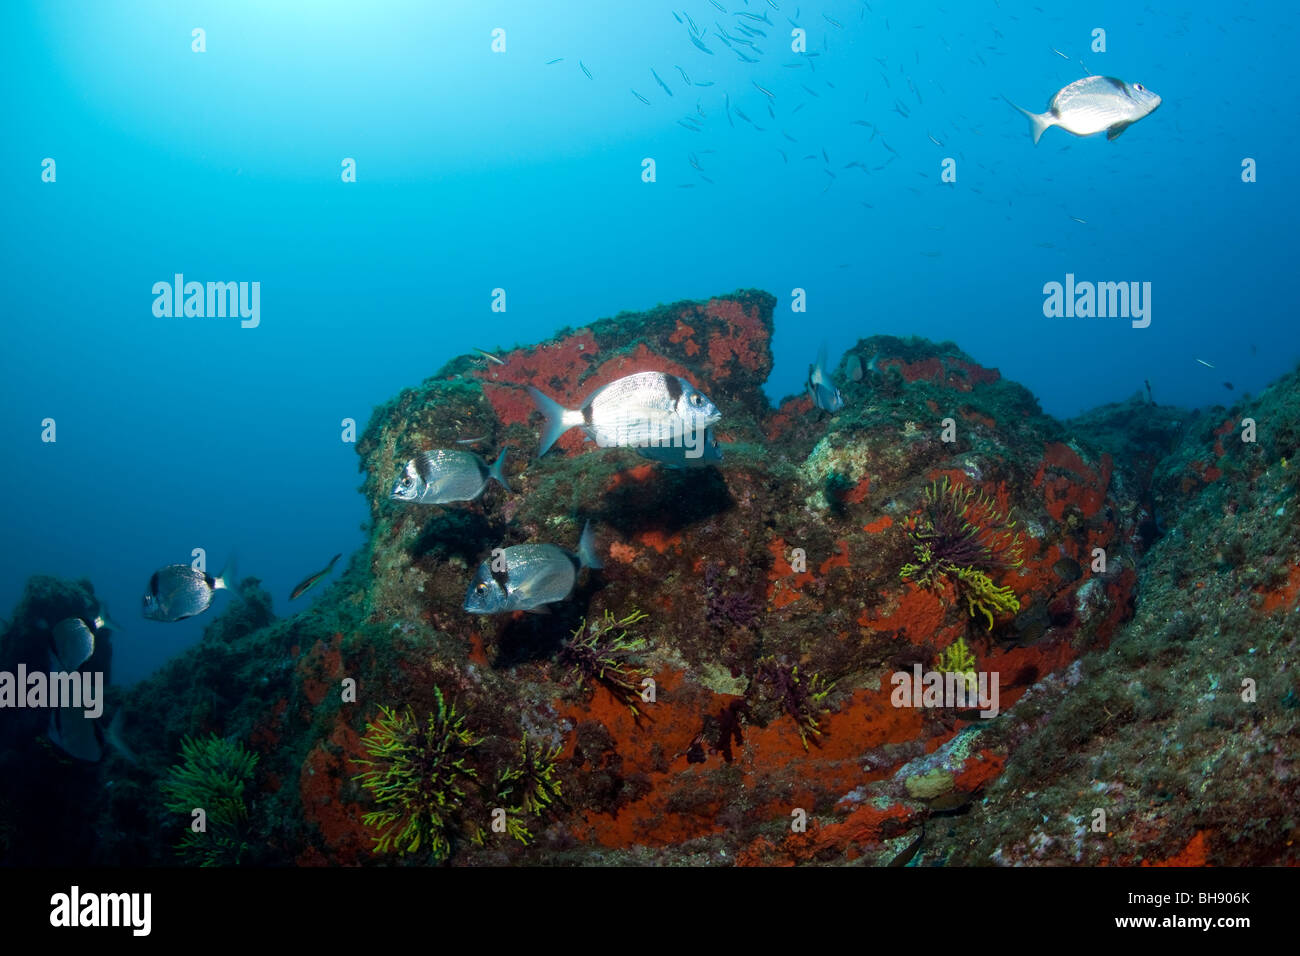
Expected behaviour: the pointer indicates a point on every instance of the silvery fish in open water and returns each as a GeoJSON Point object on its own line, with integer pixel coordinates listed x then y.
{"type": "Point", "coordinates": [179, 591]}
{"type": "Point", "coordinates": [689, 454]}
{"type": "Point", "coordinates": [533, 575]}
{"type": "Point", "coordinates": [821, 389]}
{"type": "Point", "coordinates": [645, 408]}
{"type": "Point", "coordinates": [1093, 104]}
{"type": "Point", "coordinates": [439, 476]}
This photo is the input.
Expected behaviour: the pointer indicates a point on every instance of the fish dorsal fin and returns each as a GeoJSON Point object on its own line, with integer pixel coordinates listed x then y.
{"type": "Point", "coordinates": [1118, 84]}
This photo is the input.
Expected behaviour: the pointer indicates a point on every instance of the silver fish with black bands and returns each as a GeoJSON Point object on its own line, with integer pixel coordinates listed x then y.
{"type": "Point", "coordinates": [529, 576]}
{"type": "Point", "coordinates": [638, 410]}
{"type": "Point", "coordinates": [442, 475]}
{"type": "Point", "coordinates": [179, 591]}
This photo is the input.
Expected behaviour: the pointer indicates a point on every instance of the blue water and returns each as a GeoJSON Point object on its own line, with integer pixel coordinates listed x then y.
{"type": "Point", "coordinates": [480, 170]}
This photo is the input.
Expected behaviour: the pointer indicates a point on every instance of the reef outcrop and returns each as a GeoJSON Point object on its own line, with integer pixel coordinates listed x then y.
{"type": "Point", "coordinates": [1100, 576]}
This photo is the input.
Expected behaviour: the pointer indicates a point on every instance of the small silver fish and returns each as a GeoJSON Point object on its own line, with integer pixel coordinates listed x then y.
{"type": "Point", "coordinates": [709, 452]}
{"type": "Point", "coordinates": [440, 476]}
{"type": "Point", "coordinates": [490, 357]}
{"type": "Point", "coordinates": [645, 408]}
{"type": "Point", "coordinates": [534, 575]}
{"type": "Point", "coordinates": [696, 41]}
{"type": "Point", "coordinates": [821, 389]}
{"type": "Point", "coordinates": [1093, 104]}
{"type": "Point", "coordinates": [179, 591]}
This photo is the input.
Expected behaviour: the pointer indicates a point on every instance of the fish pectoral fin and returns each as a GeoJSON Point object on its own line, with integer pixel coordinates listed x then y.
{"type": "Point", "coordinates": [1117, 130]}
{"type": "Point", "coordinates": [540, 609]}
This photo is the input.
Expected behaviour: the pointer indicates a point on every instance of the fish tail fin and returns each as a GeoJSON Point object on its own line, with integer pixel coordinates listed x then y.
{"type": "Point", "coordinates": [558, 418]}
{"type": "Point", "coordinates": [229, 577]}
{"type": "Point", "coordinates": [498, 469]}
{"type": "Point", "coordinates": [587, 549]}
{"type": "Point", "coordinates": [1038, 122]}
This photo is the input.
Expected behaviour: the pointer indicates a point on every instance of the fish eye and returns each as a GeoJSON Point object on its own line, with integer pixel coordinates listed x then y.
{"type": "Point", "coordinates": [481, 588]}
{"type": "Point", "coordinates": [406, 481]}
{"type": "Point", "coordinates": [1139, 87]}
{"type": "Point", "coordinates": [697, 399]}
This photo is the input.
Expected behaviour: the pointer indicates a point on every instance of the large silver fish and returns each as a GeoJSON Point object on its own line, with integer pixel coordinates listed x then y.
{"type": "Point", "coordinates": [1093, 104]}
{"type": "Point", "coordinates": [179, 591]}
{"type": "Point", "coordinates": [683, 456]}
{"type": "Point", "coordinates": [440, 476]}
{"type": "Point", "coordinates": [534, 575]}
{"type": "Point", "coordinates": [73, 642]}
{"type": "Point", "coordinates": [645, 408]}
{"type": "Point", "coordinates": [821, 389]}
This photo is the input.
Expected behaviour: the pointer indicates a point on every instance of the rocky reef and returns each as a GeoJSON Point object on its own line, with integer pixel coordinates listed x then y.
{"type": "Point", "coordinates": [725, 690]}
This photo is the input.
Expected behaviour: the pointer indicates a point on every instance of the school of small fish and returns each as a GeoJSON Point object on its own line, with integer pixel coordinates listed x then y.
{"type": "Point", "coordinates": [783, 45]}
